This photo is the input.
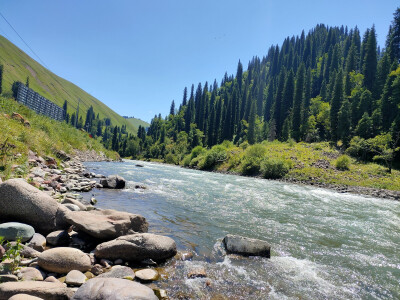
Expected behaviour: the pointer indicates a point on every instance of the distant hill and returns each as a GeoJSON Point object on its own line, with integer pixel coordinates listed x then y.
{"type": "Point", "coordinates": [18, 65]}
{"type": "Point", "coordinates": [136, 122]}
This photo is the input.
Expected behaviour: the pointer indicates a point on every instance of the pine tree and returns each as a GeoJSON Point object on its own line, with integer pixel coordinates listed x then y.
{"type": "Point", "coordinates": [370, 62]}
{"type": "Point", "coordinates": [287, 98]}
{"type": "Point", "coordinates": [184, 100]}
{"type": "Point", "coordinates": [393, 39]}
{"type": "Point", "coordinates": [239, 75]}
{"type": "Point", "coordinates": [252, 124]}
{"type": "Point", "coordinates": [336, 103]}
{"type": "Point", "coordinates": [298, 99]}
{"type": "Point", "coordinates": [344, 122]}
{"type": "Point", "coordinates": [172, 108]}
{"type": "Point", "coordinates": [364, 127]}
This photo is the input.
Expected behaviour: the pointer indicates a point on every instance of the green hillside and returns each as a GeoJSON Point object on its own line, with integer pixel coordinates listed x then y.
{"type": "Point", "coordinates": [136, 122]}
{"type": "Point", "coordinates": [18, 65]}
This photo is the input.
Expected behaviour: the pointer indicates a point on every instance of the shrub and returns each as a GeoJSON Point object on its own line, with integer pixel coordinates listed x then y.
{"type": "Point", "coordinates": [186, 160]}
{"type": "Point", "coordinates": [214, 156]}
{"type": "Point", "coordinates": [274, 168]}
{"type": "Point", "coordinates": [343, 163]}
{"type": "Point", "coordinates": [252, 158]}
{"type": "Point", "coordinates": [170, 159]}
{"type": "Point", "coordinates": [196, 151]}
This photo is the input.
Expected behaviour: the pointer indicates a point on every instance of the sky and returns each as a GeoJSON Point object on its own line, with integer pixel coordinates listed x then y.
{"type": "Point", "coordinates": [136, 56]}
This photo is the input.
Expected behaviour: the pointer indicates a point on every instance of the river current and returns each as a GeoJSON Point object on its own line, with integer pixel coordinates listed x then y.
{"type": "Point", "coordinates": [324, 244]}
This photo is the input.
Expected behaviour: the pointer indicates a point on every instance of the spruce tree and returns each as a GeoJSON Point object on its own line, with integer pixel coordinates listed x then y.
{"type": "Point", "coordinates": [184, 100]}
{"type": "Point", "coordinates": [287, 98]}
{"type": "Point", "coordinates": [172, 108]}
{"type": "Point", "coordinates": [336, 103]}
{"type": "Point", "coordinates": [298, 99]}
{"type": "Point", "coordinates": [370, 62]}
{"type": "Point", "coordinates": [252, 123]}
{"type": "Point", "coordinates": [344, 122]}
{"type": "Point", "coordinates": [364, 127]}
{"type": "Point", "coordinates": [393, 38]}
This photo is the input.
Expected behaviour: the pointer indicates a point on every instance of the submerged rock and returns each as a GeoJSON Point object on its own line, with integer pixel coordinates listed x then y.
{"type": "Point", "coordinates": [106, 224]}
{"type": "Point", "coordinates": [137, 247]}
{"type": "Point", "coordinates": [19, 201]}
{"type": "Point", "coordinates": [113, 288]}
{"type": "Point", "coordinates": [246, 246]}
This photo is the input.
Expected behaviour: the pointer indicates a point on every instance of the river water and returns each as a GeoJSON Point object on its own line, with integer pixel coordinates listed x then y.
{"type": "Point", "coordinates": [324, 245]}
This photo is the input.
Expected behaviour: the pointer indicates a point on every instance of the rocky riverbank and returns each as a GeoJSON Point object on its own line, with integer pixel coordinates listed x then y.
{"type": "Point", "coordinates": [69, 249]}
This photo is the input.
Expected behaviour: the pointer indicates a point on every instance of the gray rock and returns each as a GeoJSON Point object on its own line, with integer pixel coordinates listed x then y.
{"type": "Point", "coordinates": [58, 238]}
{"type": "Point", "coordinates": [97, 269]}
{"type": "Point", "coordinates": [62, 260]}
{"type": "Point", "coordinates": [113, 288]}
{"type": "Point", "coordinates": [118, 272]}
{"type": "Point", "coordinates": [72, 207]}
{"type": "Point", "coordinates": [13, 230]}
{"type": "Point", "coordinates": [113, 182]}
{"type": "Point", "coordinates": [38, 242]}
{"type": "Point", "coordinates": [75, 202]}
{"type": "Point", "coordinates": [76, 278]}
{"type": "Point", "coordinates": [137, 247]}
{"type": "Point", "coordinates": [24, 297]}
{"type": "Point", "coordinates": [147, 274]}
{"type": "Point", "coordinates": [8, 278]}
{"type": "Point", "coordinates": [41, 289]}
{"type": "Point", "coordinates": [246, 246]}
{"type": "Point", "coordinates": [106, 224]}
{"type": "Point", "coordinates": [19, 201]}
{"type": "Point", "coordinates": [2, 251]}
{"type": "Point", "coordinates": [31, 274]}
{"type": "Point", "coordinates": [51, 279]}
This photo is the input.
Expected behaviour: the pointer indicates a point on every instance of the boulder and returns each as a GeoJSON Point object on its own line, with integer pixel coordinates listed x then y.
{"type": "Point", "coordinates": [24, 297]}
{"type": "Point", "coordinates": [137, 247]}
{"type": "Point", "coordinates": [31, 274]}
{"type": "Point", "coordinates": [19, 201]}
{"type": "Point", "coordinates": [8, 278]}
{"type": "Point", "coordinates": [113, 288]}
{"type": "Point", "coordinates": [246, 246]}
{"type": "Point", "coordinates": [147, 274]}
{"type": "Point", "coordinates": [62, 260]}
{"type": "Point", "coordinates": [41, 289]}
{"type": "Point", "coordinates": [2, 251]}
{"type": "Point", "coordinates": [58, 238]}
{"type": "Point", "coordinates": [38, 242]}
{"type": "Point", "coordinates": [76, 278]}
{"type": "Point", "coordinates": [113, 182]}
{"type": "Point", "coordinates": [75, 202]}
{"type": "Point", "coordinates": [13, 230]}
{"type": "Point", "coordinates": [72, 207]}
{"type": "Point", "coordinates": [118, 272]}
{"type": "Point", "coordinates": [106, 224]}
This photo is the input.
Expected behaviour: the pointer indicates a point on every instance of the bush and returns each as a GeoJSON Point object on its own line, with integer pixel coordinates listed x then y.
{"type": "Point", "coordinates": [214, 156]}
{"type": "Point", "coordinates": [252, 158]}
{"type": "Point", "coordinates": [186, 160]}
{"type": "Point", "coordinates": [274, 168]}
{"type": "Point", "coordinates": [196, 151]}
{"type": "Point", "coordinates": [170, 159]}
{"type": "Point", "coordinates": [343, 163]}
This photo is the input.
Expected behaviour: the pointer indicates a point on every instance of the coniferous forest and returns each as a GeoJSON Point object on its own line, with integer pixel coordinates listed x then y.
{"type": "Point", "coordinates": [331, 84]}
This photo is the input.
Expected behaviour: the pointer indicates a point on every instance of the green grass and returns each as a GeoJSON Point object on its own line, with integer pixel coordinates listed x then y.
{"type": "Point", "coordinates": [18, 65]}
{"type": "Point", "coordinates": [45, 136]}
{"type": "Point", "coordinates": [136, 122]}
{"type": "Point", "coordinates": [309, 163]}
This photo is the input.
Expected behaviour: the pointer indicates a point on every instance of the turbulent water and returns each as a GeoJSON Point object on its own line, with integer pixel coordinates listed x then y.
{"type": "Point", "coordinates": [325, 245]}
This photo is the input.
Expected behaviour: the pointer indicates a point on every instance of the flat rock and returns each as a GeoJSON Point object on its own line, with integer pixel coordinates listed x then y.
{"type": "Point", "coordinates": [137, 247]}
{"type": "Point", "coordinates": [58, 238]}
{"type": "Point", "coordinates": [8, 278]}
{"type": "Point", "coordinates": [246, 246]}
{"type": "Point", "coordinates": [72, 207]}
{"type": "Point", "coordinates": [113, 288]}
{"type": "Point", "coordinates": [106, 224]}
{"type": "Point", "coordinates": [74, 202]}
{"type": "Point", "coordinates": [41, 289]}
{"type": "Point", "coordinates": [38, 242]}
{"type": "Point", "coordinates": [113, 182]}
{"type": "Point", "coordinates": [197, 273]}
{"type": "Point", "coordinates": [147, 274]}
{"type": "Point", "coordinates": [13, 230]}
{"type": "Point", "coordinates": [76, 278]}
{"type": "Point", "coordinates": [21, 202]}
{"type": "Point", "coordinates": [29, 274]}
{"type": "Point", "coordinates": [63, 259]}
{"type": "Point", "coordinates": [24, 297]}
{"type": "Point", "coordinates": [118, 272]}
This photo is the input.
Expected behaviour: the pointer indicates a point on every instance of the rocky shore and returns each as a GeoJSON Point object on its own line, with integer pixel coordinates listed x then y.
{"type": "Point", "coordinates": [59, 247]}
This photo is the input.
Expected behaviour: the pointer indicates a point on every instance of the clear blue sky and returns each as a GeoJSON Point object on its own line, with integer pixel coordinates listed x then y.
{"type": "Point", "coordinates": [136, 56]}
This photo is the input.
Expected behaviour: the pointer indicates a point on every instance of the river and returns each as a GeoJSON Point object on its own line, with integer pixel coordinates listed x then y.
{"type": "Point", "coordinates": [324, 245]}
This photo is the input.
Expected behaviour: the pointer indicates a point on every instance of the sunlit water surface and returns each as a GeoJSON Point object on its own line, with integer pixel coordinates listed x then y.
{"type": "Point", "coordinates": [325, 245]}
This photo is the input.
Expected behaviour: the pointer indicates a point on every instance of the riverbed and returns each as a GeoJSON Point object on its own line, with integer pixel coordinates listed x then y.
{"type": "Point", "coordinates": [325, 245]}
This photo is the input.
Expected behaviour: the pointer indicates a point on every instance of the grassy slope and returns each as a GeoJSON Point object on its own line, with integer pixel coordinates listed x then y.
{"type": "Point", "coordinates": [136, 122]}
{"type": "Point", "coordinates": [18, 65]}
{"type": "Point", "coordinates": [45, 136]}
{"type": "Point", "coordinates": [316, 164]}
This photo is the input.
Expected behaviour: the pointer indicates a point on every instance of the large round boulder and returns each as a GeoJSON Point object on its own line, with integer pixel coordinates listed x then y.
{"type": "Point", "coordinates": [19, 201]}
{"type": "Point", "coordinates": [113, 182]}
{"type": "Point", "coordinates": [13, 230]}
{"type": "Point", "coordinates": [113, 288]}
{"type": "Point", "coordinates": [246, 246]}
{"type": "Point", "coordinates": [137, 247]}
{"type": "Point", "coordinates": [63, 259]}
{"type": "Point", "coordinates": [41, 289]}
{"type": "Point", "coordinates": [106, 224]}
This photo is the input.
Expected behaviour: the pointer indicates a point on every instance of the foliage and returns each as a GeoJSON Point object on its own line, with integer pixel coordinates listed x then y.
{"type": "Point", "coordinates": [252, 158]}
{"type": "Point", "coordinates": [13, 253]}
{"type": "Point", "coordinates": [274, 168]}
{"type": "Point", "coordinates": [214, 156]}
{"type": "Point", "coordinates": [343, 163]}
